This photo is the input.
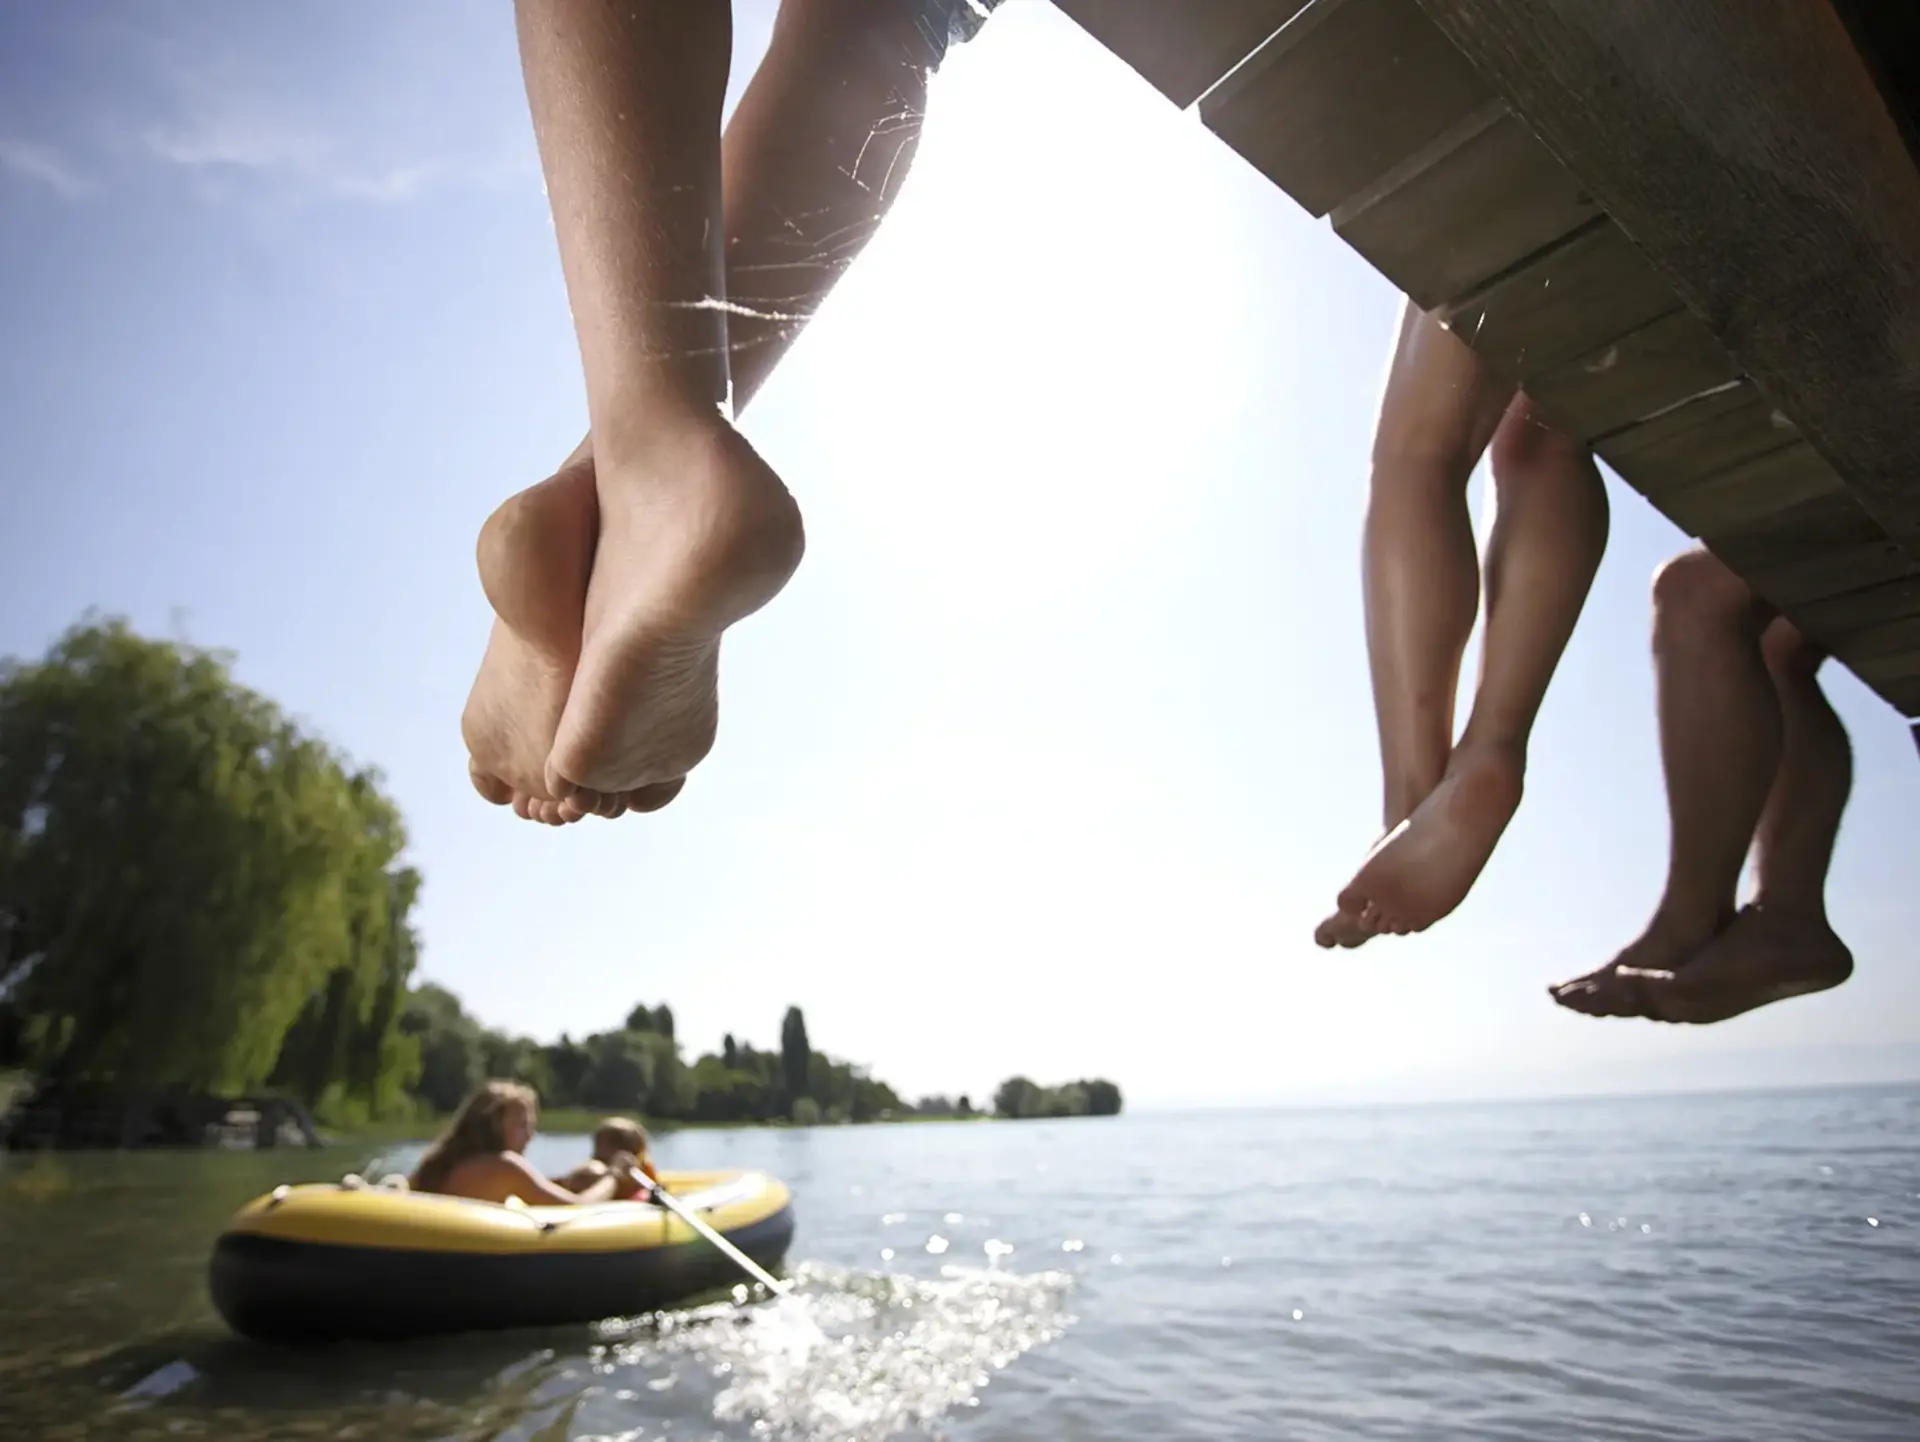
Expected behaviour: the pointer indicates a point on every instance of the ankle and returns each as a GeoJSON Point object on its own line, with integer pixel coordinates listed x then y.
{"type": "Point", "coordinates": [1688, 923]}
{"type": "Point", "coordinates": [1403, 793]}
{"type": "Point", "coordinates": [1507, 746]}
{"type": "Point", "coordinates": [658, 431]}
{"type": "Point", "coordinates": [1793, 903]}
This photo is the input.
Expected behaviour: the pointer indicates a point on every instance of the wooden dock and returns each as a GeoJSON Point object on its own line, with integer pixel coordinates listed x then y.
{"type": "Point", "coordinates": [1690, 229]}
{"type": "Point", "coordinates": [56, 1117]}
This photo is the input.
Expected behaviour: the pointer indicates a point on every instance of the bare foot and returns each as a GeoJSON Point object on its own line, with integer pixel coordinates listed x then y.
{"type": "Point", "coordinates": [1664, 946]}
{"type": "Point", "coordinates": [698, 535]}
{"type": "Point", "coordinates": [1765, 955]}
{"type": "Point", "coordinates": [535, 552]}
{"type": "Point", "coordinates": [1425, 866]}
{"type": "Point", "coordinates": [1343, 931]}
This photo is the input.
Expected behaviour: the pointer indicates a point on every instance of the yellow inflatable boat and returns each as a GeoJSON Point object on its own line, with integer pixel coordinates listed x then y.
{"type": "Point", "coordinates": [313, 1263]}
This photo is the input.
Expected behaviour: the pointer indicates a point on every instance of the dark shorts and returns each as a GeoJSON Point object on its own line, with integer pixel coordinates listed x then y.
{"type": "Point", "coordinates": [947, 23]}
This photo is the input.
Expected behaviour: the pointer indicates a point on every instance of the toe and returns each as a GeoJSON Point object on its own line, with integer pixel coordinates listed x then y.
{"type": "Point", "coordinates": [1343, 929]}
{"type": "Point", "coordinates": [1580, 996]}
{"type": "Point", "coordinates": [490, 787]}
{"type": "Point", "coordinates": [1612, 993]}
{"type": "Point", "coordinates": [523, 806]}
{"type": "Point", "coordinates": [652, 798]}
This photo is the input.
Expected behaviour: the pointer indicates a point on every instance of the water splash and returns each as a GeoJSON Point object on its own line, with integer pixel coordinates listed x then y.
{"type": "Point", "coordinates": [859, 1357]}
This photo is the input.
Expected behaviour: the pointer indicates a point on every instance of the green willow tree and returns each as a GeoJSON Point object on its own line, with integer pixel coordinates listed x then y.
{"type": "Point", "coordinates": [193, 893]}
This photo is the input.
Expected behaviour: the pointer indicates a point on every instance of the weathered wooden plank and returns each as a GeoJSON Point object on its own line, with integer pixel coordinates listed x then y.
{"type": "Point", "coordinates": [1880, 671]}
{"type": "Point", "coordinates": [1181, 50]}
{"type": "Point", "coordinates": [1656, 368]}
{"type": "Point", "coordinates": [1816, 575]}
{"type": "Point", "coordinates": [1892, 642]}
{"type": "Point", "coordinates": [1833, 620]}
{"type": "Point", "coordinates": [1746, 496]}
{"type": "Point", "coordinates": [1583, 293]}
{"type": "Point", "coordinates": [1345, 91]}
{"type": "Point", "coordinates": [1477, 201]}
{"type": "Point", "coordinates": [1886, 656]}
{"type": "Point", "coordinates": [1904, 696]}
{"type": "Point", "coordinates": [1822, 547]}
{"type": "Point", "coordinates": [1826, 523]}
{"type": "Point", "coordinates": [1697, 440]}
{"type": "Point", "coordinates": [1759, 169]}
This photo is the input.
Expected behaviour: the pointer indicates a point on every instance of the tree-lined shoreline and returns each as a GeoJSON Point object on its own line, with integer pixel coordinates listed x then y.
{"type": "Point", "coordinates": [200, 897]}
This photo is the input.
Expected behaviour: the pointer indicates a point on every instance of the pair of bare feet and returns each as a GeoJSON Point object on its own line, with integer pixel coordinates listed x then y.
{"type": "Point", "coordinates": [611, 586]}
{"type": "Point", "coordinates": [1678, 970]}
{"type": "Point", "coordinates": [1695, 971]}
{"type": "Point", "coordinates": [1698, 974]}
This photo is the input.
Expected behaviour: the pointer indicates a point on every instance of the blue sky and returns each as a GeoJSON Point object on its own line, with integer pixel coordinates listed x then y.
{"type": "Point", "coordinates": [1060, 743]}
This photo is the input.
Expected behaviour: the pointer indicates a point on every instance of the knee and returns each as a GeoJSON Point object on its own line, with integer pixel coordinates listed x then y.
{"type": "Point", "coordinates": [1696, 591]}
{"type": "Point", "coordinates": [1524, 443]}
{"type": "Point", "coordinates": [1788, 651]}
{"type": "Point", "coordinates": [877, 33]}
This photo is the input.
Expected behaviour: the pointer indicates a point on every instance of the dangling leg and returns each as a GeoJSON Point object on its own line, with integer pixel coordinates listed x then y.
{"type": "Point", "coordinates": [1549, 533]}
{"type": "Point", "coordinates": [813, 157]}
{"type": "Point", "coordinates": [1721, 733]}
{"type": "Point", "coordinates": [1420, 572]}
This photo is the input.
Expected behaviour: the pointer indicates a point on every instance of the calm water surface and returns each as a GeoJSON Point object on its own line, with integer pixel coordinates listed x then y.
{"type": "Point", "coordinates": [1699, 1268]}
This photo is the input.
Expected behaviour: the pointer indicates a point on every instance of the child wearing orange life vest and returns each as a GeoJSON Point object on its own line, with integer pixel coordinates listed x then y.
{"type": "Point", "coordinates": [619, 1143]}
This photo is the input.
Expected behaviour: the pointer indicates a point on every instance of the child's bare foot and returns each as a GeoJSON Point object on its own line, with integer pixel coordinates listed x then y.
{"type": "Point", "coordinates": [695, 535]}
{"type": "Point", "coordinates": [534, 553]}
{"type": "Point", "coordinates": [1424, 867]}
{"type": "Point", "coordinates": [1766, 954]}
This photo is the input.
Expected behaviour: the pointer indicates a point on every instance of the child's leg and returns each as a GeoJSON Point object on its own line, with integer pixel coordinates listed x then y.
{"type": "Point", "coordinates": [812, 158]}
{"type": "Point", "coordinates": [1420, 569]}
{"type": "Point", "coordinates": [1549, 532]}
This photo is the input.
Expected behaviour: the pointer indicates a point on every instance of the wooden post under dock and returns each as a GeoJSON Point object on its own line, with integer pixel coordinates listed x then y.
{"type": "Point", "coordinates": [1690, 229]}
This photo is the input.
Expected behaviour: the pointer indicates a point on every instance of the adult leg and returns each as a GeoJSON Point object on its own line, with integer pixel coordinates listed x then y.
{"type": "Point", "coordinates": [813, 156]}
{"type": "Point", "coordinates": [1549, 533]}
{"type": "Point", "coordinates": [1781, 944]}
{"type": "Point", "coordinates": [1721, 733]}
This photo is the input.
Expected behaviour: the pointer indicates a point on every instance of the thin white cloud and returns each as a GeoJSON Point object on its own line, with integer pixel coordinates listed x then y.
{"type": "Point", "coordinates": [42, 164]}
{"type": "Point", "coordinates": [247, 144]}
{"type": "Point", "coordinates": [271, 150]}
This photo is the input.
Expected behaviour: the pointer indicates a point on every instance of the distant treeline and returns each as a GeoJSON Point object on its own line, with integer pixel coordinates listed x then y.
{"type": "Point", "coordinates": [198, 896]}
{"type": "Point", "coordinates": [639, 1068]}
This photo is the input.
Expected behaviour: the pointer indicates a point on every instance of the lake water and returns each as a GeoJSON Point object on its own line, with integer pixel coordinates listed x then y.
{"type": "Point", "coordinates": [1685, 1267]}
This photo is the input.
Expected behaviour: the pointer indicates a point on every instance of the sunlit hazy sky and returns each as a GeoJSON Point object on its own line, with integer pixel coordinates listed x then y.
{"type": "Point", "coordinates": [1059, 744]}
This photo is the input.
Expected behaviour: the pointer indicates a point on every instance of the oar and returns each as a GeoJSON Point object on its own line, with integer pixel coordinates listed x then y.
{"type": "Point", "coordinates": [727, 1249]}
